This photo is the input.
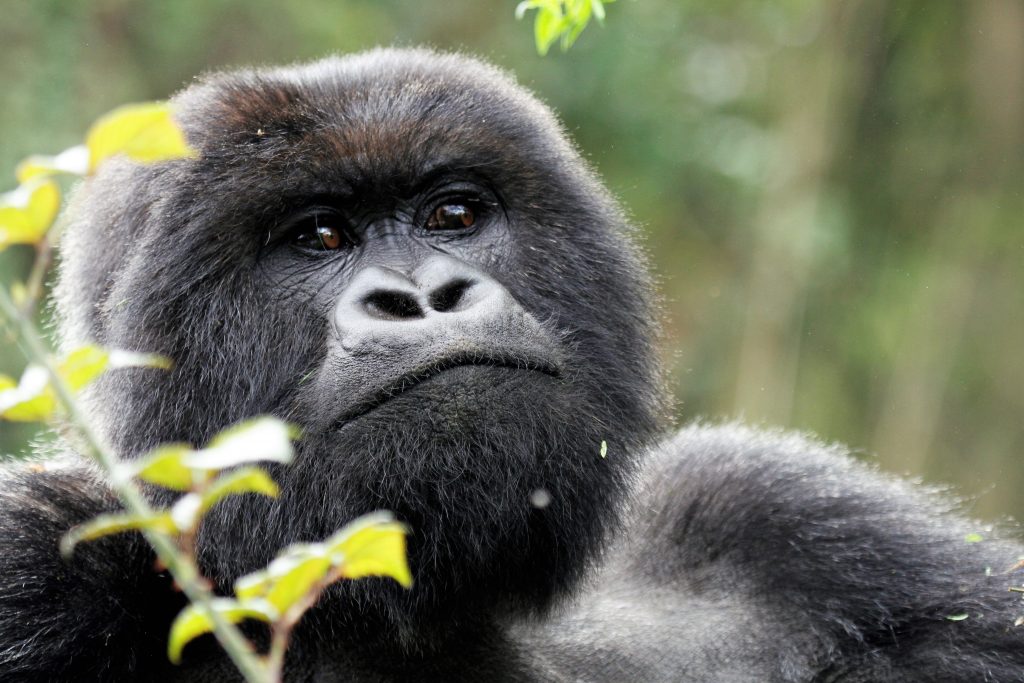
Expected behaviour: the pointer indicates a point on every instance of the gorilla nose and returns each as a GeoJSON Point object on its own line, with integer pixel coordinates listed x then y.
{"type": "Point", "coordinates": [411, 302]}
{"type": "Point", "coordinates": [442, 295]}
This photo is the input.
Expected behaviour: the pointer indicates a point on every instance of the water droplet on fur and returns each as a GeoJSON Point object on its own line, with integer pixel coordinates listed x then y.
{"type": "Point", "coordinates": [540, 498]}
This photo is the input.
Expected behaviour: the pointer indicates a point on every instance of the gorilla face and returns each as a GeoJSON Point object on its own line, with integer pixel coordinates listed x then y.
{"type": "Point", "coordinates": [399, 252]}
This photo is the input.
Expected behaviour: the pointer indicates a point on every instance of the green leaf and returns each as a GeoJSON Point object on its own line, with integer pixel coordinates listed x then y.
{"type": "Point", "coordinates": [186, 512]}
{"type": "Point", "coordinates": [19, 293]}
{"type": "Point", "coordinates": [526, 5]}
{"type": "Point", "coordinates": [258, 439]}
{"type": "Point", "coordinates": [373, 545]}
{"type": "Point", "coordinates": [242, 480]}
{"type": "Point", "coordinates": [957, 617]}
{"type": "Point", "coordinates": [31, 399]}
{"type": "Point", "coordinates": [293, 575]}
{"type": "Point", "coordinates": [303, 578]}
{"type": "Point", "coordinates": [143, 132]}
{"type": "Point", "coordinates": [115, 523]}
{"type": "Point", "coordinates": [256, 584]}
{"type": "Point", "coordinates": [28, 212]}
{"type": "Point", "coordinates": [560, 19]}
{"type": "Point", "coordinates": [570, 35]}
{"type": "Point", "coordinates": [34, 397]}
{"type": "Point", "coordinates": [74, 160]}
{"type": "Point", "coordinates": [577, 18]}
{"type": "Point", "coordinates": [195, 620]}
{"type": "Point", "coordinates": [974, 538]}
{"type": "Point", "coordinates": [165, 466]}
{"type": "Point", "coordinates": [83, 365]}
{"type": "Point", "coordinates": [523, 7]}
{"type": "Point", "coordinates": [168, 466]}
{"type": "Point", "coordinates": [546, 28]}
{"type": "Point", "coordinates": [120, 358]}
{"type": "Point", "coordinates": [604, 449]}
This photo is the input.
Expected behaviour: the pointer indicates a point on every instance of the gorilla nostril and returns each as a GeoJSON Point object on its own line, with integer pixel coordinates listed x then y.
{"type": "Point", "coordinates": [449, 296]}
{"type": "Point", "coordinates": [391, 305]}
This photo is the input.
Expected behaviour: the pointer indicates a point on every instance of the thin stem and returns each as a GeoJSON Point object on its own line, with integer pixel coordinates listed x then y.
{"type": "Point", "coordinates": [182, 568]}
{"type": "Point", "coordinates": [281, 629]}
{"type": "Point", "coordinates": [41, 265]}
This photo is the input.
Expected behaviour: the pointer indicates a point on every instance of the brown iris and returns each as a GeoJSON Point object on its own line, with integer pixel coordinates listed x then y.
{"type": "Point", "coordinates": [319, 238]}
{"type": "Point", "coordinates": [329, 238]}
{"type": "Point", "coordinates": [451, 217]}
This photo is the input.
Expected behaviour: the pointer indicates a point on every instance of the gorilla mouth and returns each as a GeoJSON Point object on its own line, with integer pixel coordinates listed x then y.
{"type": "Point", "coordinates": [382, 395]}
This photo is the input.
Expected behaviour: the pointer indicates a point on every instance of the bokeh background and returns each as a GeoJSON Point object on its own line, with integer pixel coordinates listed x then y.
{"type": "Point", "coordinates": [831, 192]}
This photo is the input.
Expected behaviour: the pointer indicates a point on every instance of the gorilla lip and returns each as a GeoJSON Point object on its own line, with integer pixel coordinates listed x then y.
{"type": "Point", "coordinates": [412, 379]}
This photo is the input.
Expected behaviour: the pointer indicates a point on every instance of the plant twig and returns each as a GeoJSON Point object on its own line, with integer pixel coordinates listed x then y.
{"type": "Point", "coordinates": [36, 278]}
{"type": "Point", "coordinates": [182, 568]}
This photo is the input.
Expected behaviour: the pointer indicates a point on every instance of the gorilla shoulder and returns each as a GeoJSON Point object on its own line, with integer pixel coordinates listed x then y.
{"type": "Point", "coordinates": [775, 557]}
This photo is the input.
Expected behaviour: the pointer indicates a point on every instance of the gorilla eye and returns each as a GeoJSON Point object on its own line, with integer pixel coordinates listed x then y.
{"type": "Point", "coordinates": [452, 216]}
{"type": "Point", "coordinates": [319, 233]}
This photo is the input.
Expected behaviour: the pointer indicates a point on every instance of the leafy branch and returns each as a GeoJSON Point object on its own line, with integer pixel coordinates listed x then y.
{"type": "Point", "coordinates": [560, 20]}
{"type": "Point", "coordinates": [373, 545]}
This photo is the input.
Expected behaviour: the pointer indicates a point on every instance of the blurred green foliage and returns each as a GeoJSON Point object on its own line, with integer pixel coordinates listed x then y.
{"type": "Point", "coordinates": [831, 193]}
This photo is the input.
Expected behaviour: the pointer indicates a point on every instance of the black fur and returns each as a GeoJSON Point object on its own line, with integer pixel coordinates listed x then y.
{"type": "Point", "coordinates": [731, 555]}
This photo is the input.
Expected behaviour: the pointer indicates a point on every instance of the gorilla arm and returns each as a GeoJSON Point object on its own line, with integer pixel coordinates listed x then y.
{"type": "Point", "coordinates": [766, 556]}
{"type": "Point", "coordinates": [79, 619]}
{"type": "Point", "coordinates": [754, 556]}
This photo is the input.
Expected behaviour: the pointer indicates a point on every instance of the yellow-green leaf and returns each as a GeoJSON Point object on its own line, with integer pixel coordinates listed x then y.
{"type": "Point", "coordinates": [115, 523]}
{"type": "Point", "coordinates": [35, 399]}
{"type": "Point", "coordinates": [258, 439]}
{"type": "Point", "coordinates": [577, 20]}
{"type": "Point", "coordinates": [292, 576]}
{"type": "Point", "coordinates": [144, 132]}
{"type": "Point", "coordinates": [28, 212]}
{"type": "Point", "coordinates": [299, 582]}
{"type": "Point", "coordinates": [546, 27]}
{"type": "Point", "coordinates": [195, 620]}
{"type": "Point", "coordinates": [74, 160]}
{"type": "Point", "coordinates": [526, 5]}
{"type": "Point", "coordinates": [373, 545]}
{"type": "Point", "coordinates": [974, 537]}
{"type": "Point", "coordinates": [185, 513]}
{"type": "Point", "coordinates": [565, 19]}
{"type": "Point", "coordinates": [120, 358]}
{"type": "Point", "coordinates": [254, 585]}
{"type": "Point", "coordinates": [242, 480]}
{"type": "Point", "coordinates": [19, 293]}
{"type": "Point", "coordinates": [31, 399]}
{"type": "Point", "coordinates": [259, 583]}
{"type": "Point", "coordinates": [83, 365]}
{"type": "Point", "coordinates": [165, 466]}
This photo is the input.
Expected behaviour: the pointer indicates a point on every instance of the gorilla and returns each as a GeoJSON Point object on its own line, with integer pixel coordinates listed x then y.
{"type": "Point", "coordinates": [401, 252]}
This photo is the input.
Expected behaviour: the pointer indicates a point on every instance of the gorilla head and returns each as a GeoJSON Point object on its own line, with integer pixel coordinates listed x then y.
{"type": "Point", "coordinates": [399, 252]}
